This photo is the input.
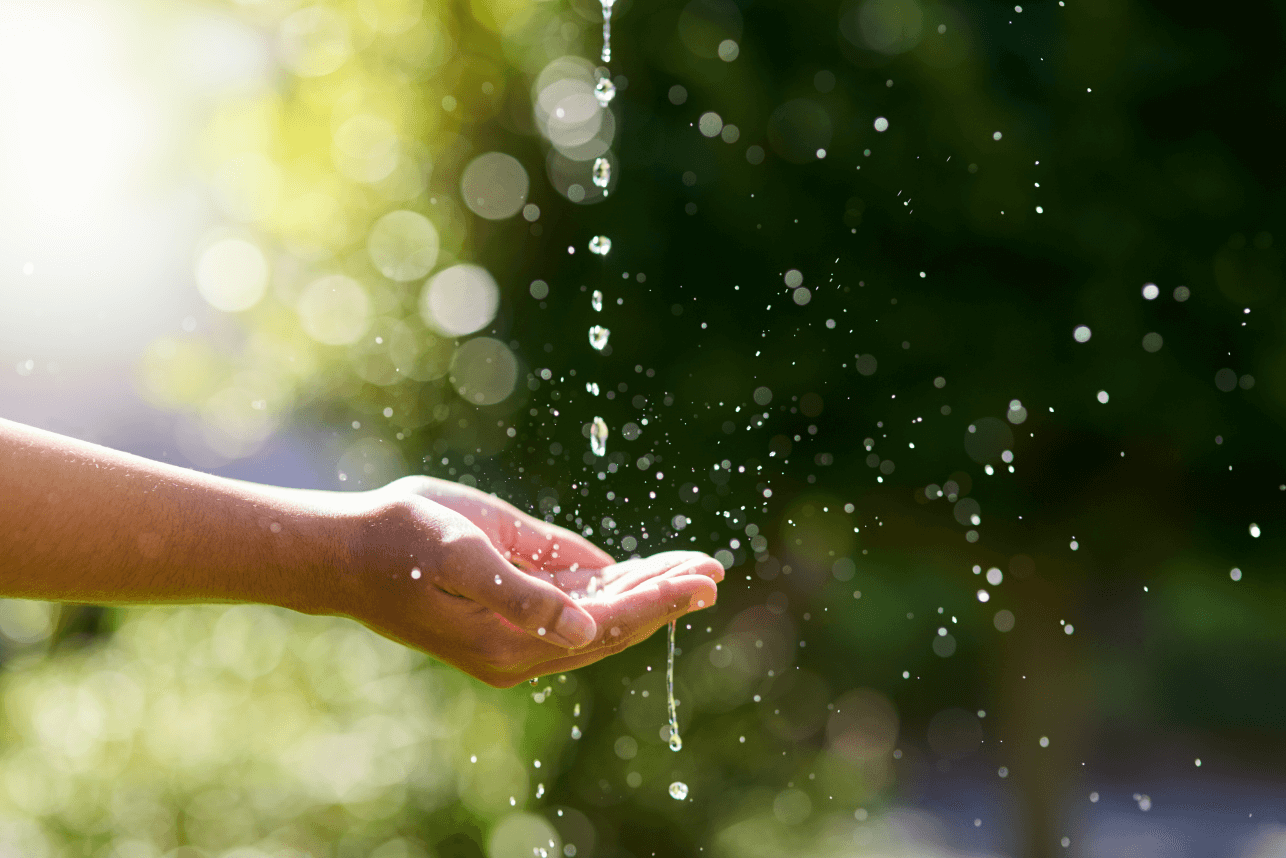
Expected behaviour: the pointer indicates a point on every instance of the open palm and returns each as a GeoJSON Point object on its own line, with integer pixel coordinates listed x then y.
{"type": "Point", "coordinates": [494, 604]}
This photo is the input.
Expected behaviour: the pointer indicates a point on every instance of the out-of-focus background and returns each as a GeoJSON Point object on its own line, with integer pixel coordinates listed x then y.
{"type": "Point", "coordinates": [953, 330]}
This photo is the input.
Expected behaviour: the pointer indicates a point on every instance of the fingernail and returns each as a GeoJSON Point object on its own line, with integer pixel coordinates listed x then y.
{"type": "Point", "coordinates": [576, 628]}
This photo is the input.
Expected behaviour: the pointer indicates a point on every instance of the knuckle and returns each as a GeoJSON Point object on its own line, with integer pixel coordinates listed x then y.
{"type": "Point", "coordinates": [413, 484]}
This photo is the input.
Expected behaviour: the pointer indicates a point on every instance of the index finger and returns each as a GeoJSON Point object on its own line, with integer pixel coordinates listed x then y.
{"type": "Point", "coordinates": [623, 618]}
{"type": "Point", "coordinates": [528, 541]}
{"type": "Point", "coordinates": [628, 619]}
{"type": "Point", "coordinates": [550, 548]}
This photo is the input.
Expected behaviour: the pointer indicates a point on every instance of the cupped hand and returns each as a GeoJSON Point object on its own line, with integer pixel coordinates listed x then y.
{"type": "Point", "coordinates": [502, 595]}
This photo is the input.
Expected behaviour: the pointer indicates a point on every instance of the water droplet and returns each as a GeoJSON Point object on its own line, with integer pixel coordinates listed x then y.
{"type": "Point", "coordinates": [600, 244]}
{"type": "Point", "coordinates": [576, 733]}
{"type": "Point", "coordinates": [498, 581]}
{"type": "Point", "coordinates": [1082, 334]}
{"type": "Point", "coordinates": [598, 438]}
{"type": "Point", "coordinates": [540, 790]}
{"type": "Point", "coordinates": [598, 337]}
{"type": "Point", "coordinates": [602, 172]}
{"type": "Point", "coordinates": [596, 301]}
{"type": "Point", "coordinates": [605, 91]}
{"type": "Point", "coordinates": [678, 790]}
{"type": "Point", "coordinates": [415, 573]}
{"type": "Point", "coordinates": [1254, 530]}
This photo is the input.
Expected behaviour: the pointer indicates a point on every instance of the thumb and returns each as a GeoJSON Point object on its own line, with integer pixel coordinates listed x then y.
{"type": "Point", "coordinates": [535, 606]}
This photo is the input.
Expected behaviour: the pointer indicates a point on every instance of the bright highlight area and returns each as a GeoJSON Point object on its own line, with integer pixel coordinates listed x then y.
{"type": "Point", "coordinates": [93, 216]}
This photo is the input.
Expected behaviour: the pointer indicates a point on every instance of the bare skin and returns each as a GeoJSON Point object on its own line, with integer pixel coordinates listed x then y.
{"type": "Point", "coordinates": [416, 561]}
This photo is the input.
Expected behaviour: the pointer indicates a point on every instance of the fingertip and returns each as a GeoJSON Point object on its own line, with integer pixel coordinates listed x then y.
{"type": "Point", "coordinates": [707, 566]}
{"type": "Point", "coordinates": [700, 603]}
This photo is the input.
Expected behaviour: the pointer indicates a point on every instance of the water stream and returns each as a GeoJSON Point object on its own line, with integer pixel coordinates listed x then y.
{"type": "Point", "coordinates": [607, 30]}
{"type": "Point", "coordinates": [601, 245]}
{"type": "Point", "coordinates": [676, 743]}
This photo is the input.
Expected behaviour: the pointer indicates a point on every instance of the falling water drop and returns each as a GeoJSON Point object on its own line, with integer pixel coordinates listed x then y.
{"type": "Point", "coordinates": [678, 790]}
{"type": "Point", "coordinates": [605, 90]}
{"type": "Point", "coordinates": [675, 742]}
{"type": "Point", "coordinates": [596, 301]}
{"type": "Point", "coordinates": [598, 337]}
{"type": "Point", "coordinates": [607, 30]}
{"type": "Point", "coordinates": [598, 437]}
{"type": "Point", "coordinates": [600, 245]}
{"type": "Point", "coordinates": [576, 733]}
{"type": "Point", "coordinates": [602, 172]}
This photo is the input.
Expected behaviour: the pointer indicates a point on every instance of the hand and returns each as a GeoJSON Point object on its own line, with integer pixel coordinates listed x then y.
{"type": "Point", "coordinates": [436, 566]}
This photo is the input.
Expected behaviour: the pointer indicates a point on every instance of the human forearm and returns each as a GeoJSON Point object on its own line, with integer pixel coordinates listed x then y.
{"type": "Point", "coordinates": [440, 567]}
{"type": "Point", "coordinates": [90, 524]}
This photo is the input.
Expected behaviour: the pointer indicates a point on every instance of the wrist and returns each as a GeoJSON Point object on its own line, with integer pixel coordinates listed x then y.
{"type": "Point", "coordinates": [318, 568]}
{"type": "Point", "coordinates": [363, 544]}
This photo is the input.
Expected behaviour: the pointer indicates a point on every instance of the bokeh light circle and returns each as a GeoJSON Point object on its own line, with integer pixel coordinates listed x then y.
{"type": "Point", "coordinates": [366, 148]}
{"type": "Point", "coordinates": [522, 835]}
{"type": "Point", "coordinates": [460, 300]}
{"type": "Point", "coordinates": [886, 26]}
{"type": "Point", "coordinates": [567, 110]}
{"type": "Point", "coordinates": [335, 310]}
{"type": "Point", "coordinates": [232, 275]}
{"type": "Point", "coordinates": [494, 186]}
{"type": "Point", "coordinates": [484, 371]}
{"type": "Point", "coordinates": [404, 245]}
{"type": "Point", "coordinates": [314, 41]}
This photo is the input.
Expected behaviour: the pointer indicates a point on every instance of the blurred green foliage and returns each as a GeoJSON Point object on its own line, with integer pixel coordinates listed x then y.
{"type": "Point", "coordinates": [850, 626]}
